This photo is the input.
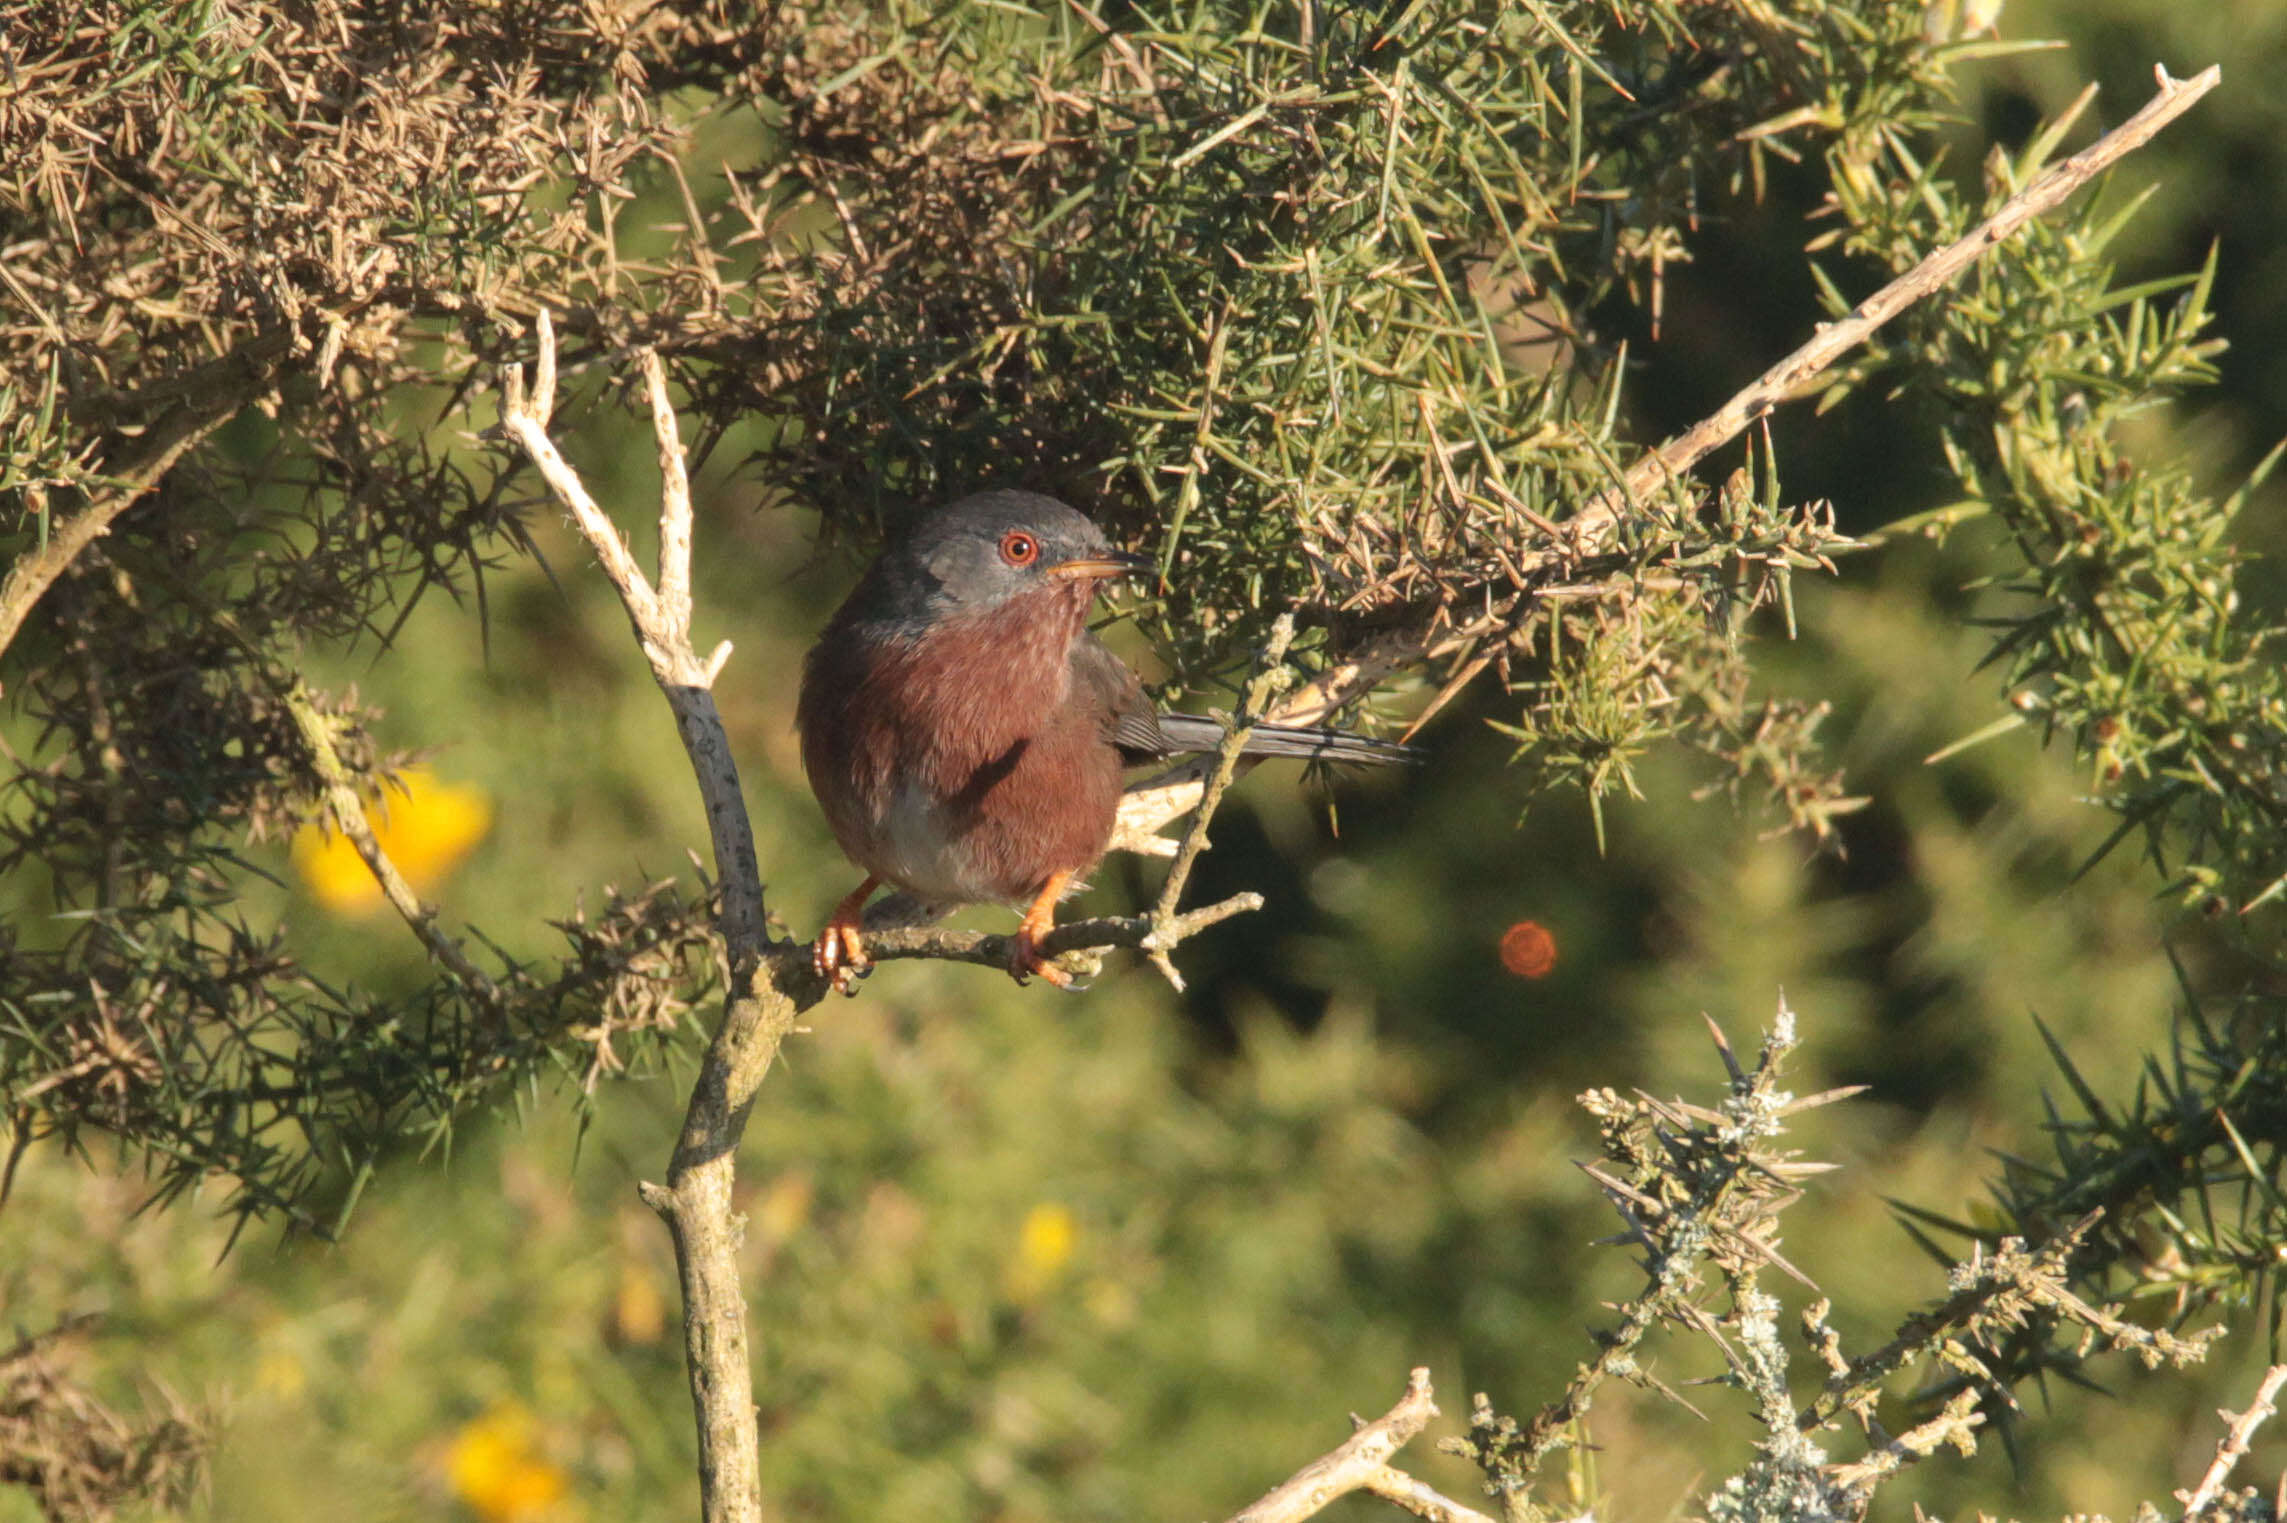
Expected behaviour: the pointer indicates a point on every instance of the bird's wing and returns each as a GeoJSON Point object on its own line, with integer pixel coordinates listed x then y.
{"type": "Point", "coordinates": [1130, 723]}
{"type": "Point", "coordinates": [1103, 680]}
{"type": "Point", "coordinates": [1193, 732]}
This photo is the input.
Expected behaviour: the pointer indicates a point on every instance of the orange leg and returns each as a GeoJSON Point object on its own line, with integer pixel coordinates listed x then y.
{"type": "Point", "coordinates": [840, 951]}
{"type": "Point", "coordinates": [1024, 947]}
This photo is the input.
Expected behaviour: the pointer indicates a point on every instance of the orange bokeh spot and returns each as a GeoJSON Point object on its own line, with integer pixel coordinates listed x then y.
{"type": "Point", "coordinates": [1527, 949]}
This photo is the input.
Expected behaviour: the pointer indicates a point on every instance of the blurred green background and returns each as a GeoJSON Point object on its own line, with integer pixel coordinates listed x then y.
{"type": "Point", "coordinates": [1014, 1254]}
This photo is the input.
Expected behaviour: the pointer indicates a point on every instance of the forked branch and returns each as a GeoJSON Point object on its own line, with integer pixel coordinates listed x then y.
{"type": "Point", "coordinates": [696, 1200]}
{"type": "Point", "coordinates": [771, 982]}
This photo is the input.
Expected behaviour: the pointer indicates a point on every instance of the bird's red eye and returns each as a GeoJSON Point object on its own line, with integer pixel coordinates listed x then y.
{"type": "Point", "coordinates": [1019, 548]}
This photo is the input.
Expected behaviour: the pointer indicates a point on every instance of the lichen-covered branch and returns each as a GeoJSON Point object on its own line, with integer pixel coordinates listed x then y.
{"type": "Point", "coordinates": [2235, 1443]}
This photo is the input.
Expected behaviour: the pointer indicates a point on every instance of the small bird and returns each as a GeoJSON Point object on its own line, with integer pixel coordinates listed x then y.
{"type": "Point", "coordinates": [966, 733]}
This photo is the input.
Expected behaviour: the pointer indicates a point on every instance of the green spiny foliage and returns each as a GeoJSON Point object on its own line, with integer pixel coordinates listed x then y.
{"type": "Point", "coordinates": [2121, 625]}
{"type": "Point", "coordinates": [1325, 317]}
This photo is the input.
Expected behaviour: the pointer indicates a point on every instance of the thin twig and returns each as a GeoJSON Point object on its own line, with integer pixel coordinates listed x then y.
{"type": "Point", "coordinates": [525, 419]}
{"type": "Point", "coordinates": [1154, 802]}
{"type": "Point", "coordinates": [674, 500]}
{"type": "Point", "coordinates": [2235, 1443]}
{"type": "Point", "coordinates": [1350, 1467]}
{"type": "Point", "coordinates": [992, 951]}
{"type": "Point", "coordinates": [1270, 676]}
{"type": "Point", "coordinates": [1956, 1424]}
{"type": "Point", "coordinates": [347, 812]}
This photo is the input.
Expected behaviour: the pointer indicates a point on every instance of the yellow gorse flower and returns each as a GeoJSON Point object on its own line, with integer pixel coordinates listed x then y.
{"type": "Point", "coordinates": [428, 828]}
{"type": "Point", "coordinates": [495, 1466]}
{"type": "Point", "coordinates": [1044, 1247]}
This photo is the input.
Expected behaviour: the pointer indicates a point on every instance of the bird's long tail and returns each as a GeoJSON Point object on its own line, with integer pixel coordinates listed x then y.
{"type": "Point", "coordinates": [1191, 732]}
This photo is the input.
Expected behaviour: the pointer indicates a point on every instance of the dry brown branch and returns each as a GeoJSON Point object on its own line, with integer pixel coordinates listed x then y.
{"type": "Point", "coordinates": [183, 426]}
{"type": "Point", "coordinates": [2235, 1442]}
{"type": "Point", "coordinates": [1352, 1466]}
{"type": "Point", "coordinates": [1155, 801]}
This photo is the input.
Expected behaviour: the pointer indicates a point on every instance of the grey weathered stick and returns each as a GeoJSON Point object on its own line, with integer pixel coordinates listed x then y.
{"type": "Point", "coordinates": [771, 983]}
{"type": "Point", "coordinates": [696, 1200]}
{"type": "Point", "coordinates": [1152, 803]}
{"type": "Point", "coordinates": [1350, 1467]}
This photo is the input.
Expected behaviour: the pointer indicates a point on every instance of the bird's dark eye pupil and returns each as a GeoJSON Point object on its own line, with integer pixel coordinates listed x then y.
{"type": "Point", "coordinates": [1019, 548]}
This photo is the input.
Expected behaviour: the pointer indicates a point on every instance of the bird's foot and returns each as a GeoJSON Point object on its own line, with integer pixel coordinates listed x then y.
{"type": "Point", "coordinates": [1025, 959]}
{"type": "Point", "coordinates": [1039, 919]}
{"type": "Point", "coordinates": [839, 953]}
{"type": "Point", "coordinates": [839, 956]}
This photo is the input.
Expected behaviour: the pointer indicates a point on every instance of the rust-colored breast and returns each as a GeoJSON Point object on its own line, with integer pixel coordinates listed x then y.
{"type": "Point", "coordinates": [960, 763]}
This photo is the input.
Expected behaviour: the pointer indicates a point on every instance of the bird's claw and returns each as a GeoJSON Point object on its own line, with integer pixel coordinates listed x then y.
{"type": "Point", "coordinates": [1025, 960]}
{"type": "Point", "coordinates": [839, 956]}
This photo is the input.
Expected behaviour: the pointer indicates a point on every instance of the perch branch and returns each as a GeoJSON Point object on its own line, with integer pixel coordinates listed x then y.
{"type": "Point", "coordinates": [1152, 803]}
{"type": "Point", "coordinates": [696, 1200]}
{"type": "Point", "coordinates": [990, 951]}
{"type": "Point", "coordinates": [1351, 1467]}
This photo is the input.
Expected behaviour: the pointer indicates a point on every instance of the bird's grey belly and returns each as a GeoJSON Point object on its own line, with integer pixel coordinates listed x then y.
{"type": "Point", "coordinates": [918, 845]}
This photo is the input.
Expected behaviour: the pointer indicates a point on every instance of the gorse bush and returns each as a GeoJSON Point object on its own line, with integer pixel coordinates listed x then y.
{"type": "Point", "coordinates": [1338, 311]}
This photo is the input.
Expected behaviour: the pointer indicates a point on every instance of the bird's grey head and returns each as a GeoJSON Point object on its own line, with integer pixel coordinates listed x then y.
{"type": "Point", "coordinates": [985, 549]}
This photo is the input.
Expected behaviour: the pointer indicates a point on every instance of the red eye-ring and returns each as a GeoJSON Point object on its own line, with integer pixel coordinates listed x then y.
{"type": "Point", "coordinates": [1019, 548]}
